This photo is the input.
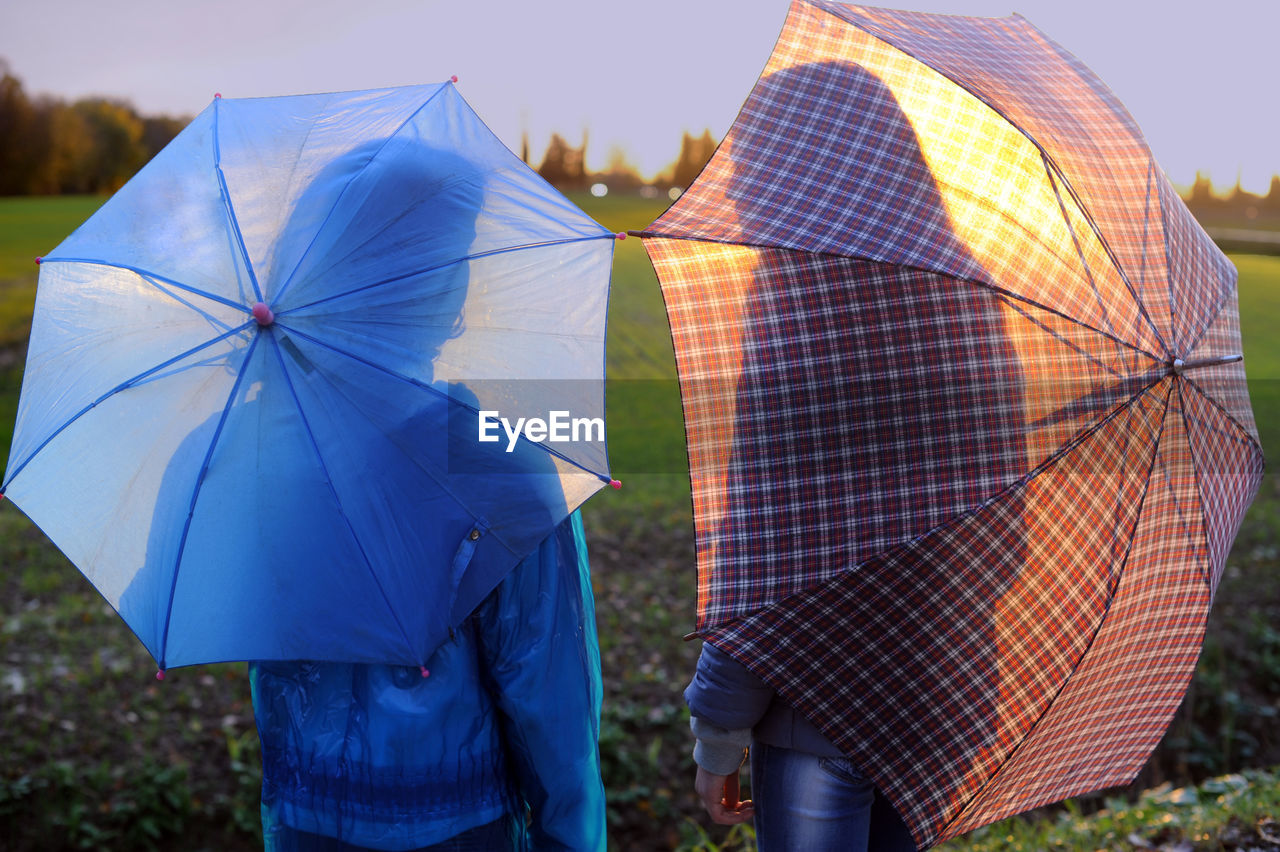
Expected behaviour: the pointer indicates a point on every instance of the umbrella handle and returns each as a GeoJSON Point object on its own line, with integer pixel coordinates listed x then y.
{"type": "Point", "coordinates": [732, 791]}
{"type": "Point", "coordinates": [1178, 366]}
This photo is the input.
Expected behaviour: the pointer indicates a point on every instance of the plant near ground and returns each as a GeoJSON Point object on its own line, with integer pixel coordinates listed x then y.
{"type": "Point", "coordinates": [1231, 812]}
{"type": "Point", "coordinates": [245, 766]}
{"type": "Point", "coordinates": [98, 806]}
{"type": "Point", "coordinates": [1264, 636]}
{"type": "Point", "coordinates": [694, 838]}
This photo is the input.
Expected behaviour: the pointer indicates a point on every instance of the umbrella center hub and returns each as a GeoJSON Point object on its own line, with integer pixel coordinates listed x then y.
{"type": "Point", "coordinates": [263, 314]}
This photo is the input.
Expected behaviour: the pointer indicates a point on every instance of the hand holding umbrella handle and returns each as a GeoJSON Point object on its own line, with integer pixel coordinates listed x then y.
{"type": "Point", "coordinates": [720, 795]}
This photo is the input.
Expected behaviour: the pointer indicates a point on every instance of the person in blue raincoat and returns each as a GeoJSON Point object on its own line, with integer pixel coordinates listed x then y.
{"type": "Point", "coordinates": [497, 747]}
{"type": "Point", "coordinates": [378, 757]}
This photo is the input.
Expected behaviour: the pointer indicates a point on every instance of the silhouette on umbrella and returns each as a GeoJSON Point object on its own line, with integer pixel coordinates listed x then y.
{"type": "Point", "coordinates": [958, 496]}
{"type": "Point", "coordinates": [267, 323]}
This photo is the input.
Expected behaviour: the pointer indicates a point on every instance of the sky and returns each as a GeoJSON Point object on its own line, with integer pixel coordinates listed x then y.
{"type": "Point", "coordinates": [1200, 79]}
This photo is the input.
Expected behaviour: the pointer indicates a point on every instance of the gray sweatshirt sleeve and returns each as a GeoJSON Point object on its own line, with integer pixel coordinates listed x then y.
{"type": "Point", "coordinates": [719, 750]}
{"type": "Point", "coordinates": [725, 701]}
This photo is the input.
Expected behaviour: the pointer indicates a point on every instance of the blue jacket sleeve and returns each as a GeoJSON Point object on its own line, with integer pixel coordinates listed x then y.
{"type": "Point", "coordinates": [538, 640]}
{"type": "Point", "coordinates": [724, 692]}
{"type": "Point", "coordinates": [725, 702]}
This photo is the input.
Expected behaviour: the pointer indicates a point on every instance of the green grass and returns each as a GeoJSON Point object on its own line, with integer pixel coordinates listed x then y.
{"type": "Point", "coordinates": [646, 426]}
{"type": "Point", "coordinates": [1238, 811]}
{"type": "Point", "coordinates": [1259, 310]}
{"type": "Point", "coordinates": [1259, 321]}
{"type": "Point", "coordinates": [1234, 811]}
{"type": "Point", "coordinates": [29, 228]}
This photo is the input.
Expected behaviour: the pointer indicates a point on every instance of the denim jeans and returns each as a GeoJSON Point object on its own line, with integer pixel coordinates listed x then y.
{"type": "Point", "coordinates": [811, 803]}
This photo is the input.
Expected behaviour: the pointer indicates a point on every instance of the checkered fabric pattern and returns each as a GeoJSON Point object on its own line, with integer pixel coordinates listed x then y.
{"type": "Point", "coordinates": [951, 498]}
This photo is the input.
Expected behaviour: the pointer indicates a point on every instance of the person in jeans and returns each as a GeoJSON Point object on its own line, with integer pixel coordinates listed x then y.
{"type": "Point", "coordinates": [806, 795]}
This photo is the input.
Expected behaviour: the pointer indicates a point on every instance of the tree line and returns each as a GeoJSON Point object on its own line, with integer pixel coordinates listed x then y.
{"type": "Point", "coordinates": [1204, 202]}
{"type": "Point", "coordinates": [50, 146]}
{"type": "Point", "coordinates": [92, 145]}
{"type": "Point", "coordinates": [565, 166]}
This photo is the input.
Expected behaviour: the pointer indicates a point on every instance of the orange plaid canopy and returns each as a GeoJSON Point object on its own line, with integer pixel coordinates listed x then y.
{"type": "Point", "coordinates": [968, 429]}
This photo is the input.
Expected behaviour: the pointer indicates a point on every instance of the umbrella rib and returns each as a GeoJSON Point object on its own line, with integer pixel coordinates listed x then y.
{"type": "Point", "coordinates": [1023, 229]}
{"type": "Point", "coordinates": [434, 477]}
{"type": "Point", "coordinates": [125, 385]}
{"type": "Point", "coordinates": [465, 259]}
{"type": "Point", "coordinates": [1056, 176]}
{"type": "Point", "coordinates": [1168, 259]}
{"type": "Point", "coordinates": [1210, 315]}
{"type": "Point", "coordinates": [1203, 567]}
{"type": "Point", "coordinates": [1050, 171]}
{"type": "Point", "coordinates": [195, 495]}
{"type": "Point", "coordinates": [1093, 226]}
{"type": "Point", "coordinates": [1213, 313]}
{"type": "Point", "coordinates": [426, 387]}
{"type": "Point", "coordinates": [1064, 341]}
{"type": "Point", "coordinates": [226, 200]}
{"type": "Point", "coordinates": [146, 275]}
{"type": "Point", "coordinates": [368, 563]}
{"type": "Point", "coordinates": [1040, 468]}
{"type": "Point", "coordinates": [1204, 518]}
{"type": "Point", "coordinates": [1074, 442]}
{"type": "Point", "coordinates": [970, 281]}
{"type": "Point", "coordinates": [187, 303]}
{"type": "Point", "coordinates": [1137, 515]}
{"type": "Point", "coordinates": [320, 229]}
{"type": "Point", "coordinates": [1225, 413]}
{"type": "Point", "coordinates": [1036, 471]}
{"type": "Point", "coordinates": [1180, 513]}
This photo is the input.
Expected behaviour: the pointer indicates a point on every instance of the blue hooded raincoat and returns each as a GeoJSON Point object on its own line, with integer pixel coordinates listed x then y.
{"type": "Point", "coordinates": [506, 725]}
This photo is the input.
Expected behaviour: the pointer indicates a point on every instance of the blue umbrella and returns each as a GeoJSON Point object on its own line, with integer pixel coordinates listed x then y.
{"type": "Point", "coordinates": [315, 379]}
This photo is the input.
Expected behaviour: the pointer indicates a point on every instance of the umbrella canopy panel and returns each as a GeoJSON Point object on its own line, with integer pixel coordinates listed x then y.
{"type": "Point", "coordinates": [255, 375]}
{"type": "Point", "coordinates": [968, 431]}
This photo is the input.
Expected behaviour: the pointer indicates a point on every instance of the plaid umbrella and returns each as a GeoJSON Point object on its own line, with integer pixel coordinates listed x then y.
{"type": "Point", "coordinates": [967, 423]}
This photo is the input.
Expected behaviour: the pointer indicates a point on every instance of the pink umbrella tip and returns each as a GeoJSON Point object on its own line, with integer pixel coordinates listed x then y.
{"type": "Point", "coordinates": [622, 235]}
{"type": "Point", "coordinates": [453, 79]}
{"type": "Point", "coordinates": [39, 260]}
{"type": "Point", "coordinates": [217, 95]}
{"type": "Point", "coordinates": [616, 483]}
{"type": "Point", "coordinates": [424, 671]}
{"type": "Point", "coordinates": [160, 674]}
{"type": "Point", "coordinates": [263, 314]}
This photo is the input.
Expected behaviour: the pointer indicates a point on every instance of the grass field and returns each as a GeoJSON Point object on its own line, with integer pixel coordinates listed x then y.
{"type": "Point", "coordinates": [30, 227]}
{"type": "Point", "coordinates": [95, 754]}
